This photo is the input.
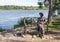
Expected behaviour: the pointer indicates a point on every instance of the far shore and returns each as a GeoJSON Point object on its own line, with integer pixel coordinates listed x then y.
{"type": "Point", "coordinates": [22, 8]}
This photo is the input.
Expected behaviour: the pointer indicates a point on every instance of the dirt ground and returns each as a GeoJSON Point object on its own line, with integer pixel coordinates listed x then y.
{"type": "Point", "coordinates": [28, 38]}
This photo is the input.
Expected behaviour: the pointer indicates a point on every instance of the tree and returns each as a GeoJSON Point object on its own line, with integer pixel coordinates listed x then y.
{"type": "Point", "coordinates": [50, 11]}
{"type": "Point", "coordinates": [40, 4]}
{"type": "Point", "coordinates": [46, 3]}
{"type": "Point", "coordinates": [53, 5]}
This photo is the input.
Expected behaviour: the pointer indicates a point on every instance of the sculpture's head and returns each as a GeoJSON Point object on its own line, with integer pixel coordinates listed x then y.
{"type": "Point", "coordinates": [41, 14]}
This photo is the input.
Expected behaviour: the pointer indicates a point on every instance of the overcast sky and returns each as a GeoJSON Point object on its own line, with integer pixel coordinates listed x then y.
{"type": "Point", "coordinates": [20, 2]}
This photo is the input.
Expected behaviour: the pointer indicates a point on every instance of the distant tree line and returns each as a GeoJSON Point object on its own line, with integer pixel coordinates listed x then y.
{"type": "Point", "coordinates": [17, 7]}
{"type": "Point", "coordinates": [10, 7]}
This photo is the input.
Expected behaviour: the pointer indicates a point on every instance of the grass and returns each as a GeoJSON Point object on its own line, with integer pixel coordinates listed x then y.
{"type": "Point", "coordinates": [55, 26]}
{"type": "Point", "coordinates": [54, 29]}
{"type": "Point", "coordinates": [49, 29]}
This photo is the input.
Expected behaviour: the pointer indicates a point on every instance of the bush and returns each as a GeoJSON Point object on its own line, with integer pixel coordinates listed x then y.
{"type": "Point", "coordinates": [21, 23]}
{"type": "Point", "coordinates": [30, 21]}
{"type": "Point", "coordinates": [1, 29]}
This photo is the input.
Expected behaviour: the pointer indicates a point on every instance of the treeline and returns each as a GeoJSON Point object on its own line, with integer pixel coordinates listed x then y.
{"type": "Point", "coordinates": [11, 7]}
{"type": "Point", "coordinates": [18, 7]}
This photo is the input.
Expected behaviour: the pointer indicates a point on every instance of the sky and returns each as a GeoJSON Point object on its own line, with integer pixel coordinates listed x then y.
{"type": "Point", "coordinates": [20, 2]}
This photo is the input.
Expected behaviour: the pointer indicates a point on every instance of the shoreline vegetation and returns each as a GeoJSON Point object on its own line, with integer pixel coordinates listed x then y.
{"type": "Point", "coordinates": [11, 7]}
{"type": "Point", "coordinates": [26, 21]}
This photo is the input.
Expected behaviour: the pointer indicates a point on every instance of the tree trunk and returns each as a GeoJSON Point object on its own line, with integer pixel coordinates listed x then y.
{"type": "Point", "coordinates": [50, 11]}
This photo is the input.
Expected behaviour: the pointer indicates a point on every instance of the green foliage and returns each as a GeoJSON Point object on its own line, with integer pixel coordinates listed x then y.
{"type": "Point", "coordinates": [21, 23]}
{"type": "Point", "coordinates": [30, 21]}
{"type": "Point", "coordinates": [54, 15]}
{"type": "Point", "coordinates": [1, 29]}
{"type": "Point", "coordinates": [44, 8]}
{"type": "Point", "coordinates": [10, 7]}
{"type": "Point", "coordinates": [56, 22]}
{"type": "Point", "coordinates": [33, 22]}
{"type": "Point", "coordinates": [40, 5]}
{"type": "Point", "coordinates": [19, 7]}
{"type": "Point", "coordinates": [46, 3]}
{"type": "Point", "coordinates": [55, 26]}
{"type": "Point", "coordinates": [52, 26]}
{"type": "Point", "coordinates": [55, 4]}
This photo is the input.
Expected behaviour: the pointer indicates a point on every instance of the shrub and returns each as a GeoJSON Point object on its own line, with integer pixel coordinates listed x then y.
{"type": "Point", "coordinates": [21, 22]}
{"type": "Point", "coordinates": [1, 29]}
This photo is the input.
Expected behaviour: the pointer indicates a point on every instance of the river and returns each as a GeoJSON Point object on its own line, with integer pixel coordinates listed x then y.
{"type": "Point", "coordinates": [8, 18]}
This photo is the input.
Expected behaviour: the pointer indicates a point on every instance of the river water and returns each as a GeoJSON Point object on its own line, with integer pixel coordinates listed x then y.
{"type": "Point", "coordinates": [8, 18]}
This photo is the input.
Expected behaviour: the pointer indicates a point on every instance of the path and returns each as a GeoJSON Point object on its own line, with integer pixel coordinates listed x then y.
{"type": "Point", "coordinates": [28, 38]}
